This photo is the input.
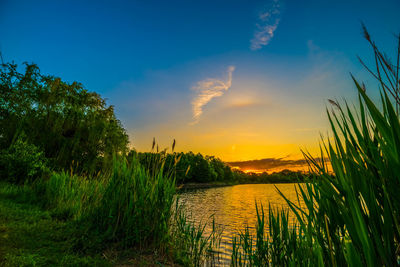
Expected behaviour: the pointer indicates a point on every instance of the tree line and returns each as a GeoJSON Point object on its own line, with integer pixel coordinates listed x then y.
{"type": "Point", "coordinates": [196, 168]}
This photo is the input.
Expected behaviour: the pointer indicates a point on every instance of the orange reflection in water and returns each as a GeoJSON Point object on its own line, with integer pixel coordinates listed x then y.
{"type": "Point", "coordinates": [233, 207]}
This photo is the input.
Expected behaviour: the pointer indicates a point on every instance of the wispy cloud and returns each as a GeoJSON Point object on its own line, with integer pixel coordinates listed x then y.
{"type": "Point", "coordinates": [268, 21]}
{"type": "Point", "coordinates": [207, 90]}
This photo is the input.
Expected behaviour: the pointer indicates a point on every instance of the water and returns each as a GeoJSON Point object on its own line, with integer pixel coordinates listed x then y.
{"type": "Point", "coordinates": [233, 207]}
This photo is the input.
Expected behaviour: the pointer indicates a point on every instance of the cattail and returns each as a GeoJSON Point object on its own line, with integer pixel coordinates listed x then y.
{"type": "Point", "coordinates": [187, 170]}
{"type": "Point", "coordinates": [366, 33]}
{"type": "Point", "coordinates": [334, 103]}
{"type": "Point", "coordinates": [154, 143]}
{"type": "Point", "coordinates": [177, 159]}
{"type": "Point", "coordinates": [173, 145]}
{"type": "Point", "coordinates": [363, 87]}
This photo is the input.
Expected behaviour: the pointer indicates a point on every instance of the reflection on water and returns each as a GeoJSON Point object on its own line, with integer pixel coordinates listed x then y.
{"type": "Point", "coordinates": [233, 207]}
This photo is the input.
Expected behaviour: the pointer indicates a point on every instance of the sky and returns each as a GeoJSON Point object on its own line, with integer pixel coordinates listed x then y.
{"type": "Point", "coordinates": [241, 80]}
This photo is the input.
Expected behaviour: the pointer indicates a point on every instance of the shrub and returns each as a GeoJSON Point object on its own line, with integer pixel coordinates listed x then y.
{"type": "Point", "coordinates": [22, 162]}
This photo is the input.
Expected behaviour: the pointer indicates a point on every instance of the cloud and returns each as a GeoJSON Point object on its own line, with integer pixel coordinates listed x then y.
{"type": "Point", "coordinates": [270, 164]}
{"type": "Point", "coordinates": [207, 90]}
{"type": "Point", "coordinates": [267, 163]}
{"type": "Point", "coordinates": [267, 23]}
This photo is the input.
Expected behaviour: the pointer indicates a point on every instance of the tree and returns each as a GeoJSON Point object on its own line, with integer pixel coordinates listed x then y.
{"type": "Point", "coordinates": [74, 127]}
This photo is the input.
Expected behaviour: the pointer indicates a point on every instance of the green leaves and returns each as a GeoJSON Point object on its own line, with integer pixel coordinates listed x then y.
{"type": "Point", "coordinates": [70, 124]}
{"type": "Point", "coordinates": [135, 208]}
{"type": "Point", "coordinates": [22, 162]}
{"type": "Point", "coordinates": [361, 201]}
{"type": "Point", "coordinates": [349, 215]}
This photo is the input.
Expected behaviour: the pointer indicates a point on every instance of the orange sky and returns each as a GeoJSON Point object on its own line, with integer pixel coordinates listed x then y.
{"type": "Point", "coordinates": [260, 122]}
{"type": "Point", "coordinates": [240, 80]}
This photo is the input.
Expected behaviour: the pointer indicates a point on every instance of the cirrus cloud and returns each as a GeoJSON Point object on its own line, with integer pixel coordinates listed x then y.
{"type": "Point", "coordinates": [208, 89]}
{"type": "Point", "coordinates": [268, 22]}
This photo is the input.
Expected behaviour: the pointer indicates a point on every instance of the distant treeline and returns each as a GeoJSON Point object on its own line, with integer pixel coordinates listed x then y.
{"type": "Point", "coordinates": [284, 176]}
{"type": "Point", "coordinates": [189, 167]}
{"type": "Point", "coordinates": [196, 168]}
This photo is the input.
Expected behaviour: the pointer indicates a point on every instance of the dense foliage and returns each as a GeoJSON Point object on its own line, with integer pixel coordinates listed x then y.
{"type": "Point", "coordinates": [22, 162]}
{"type": "Point", "coordinates": [190, 167]}
{"type": "Point", "coordinates": [284, 176]}
{"type": "Point", "coordinates": [72, 126]}
{"type": "Point", "coordinates": [196, 168]}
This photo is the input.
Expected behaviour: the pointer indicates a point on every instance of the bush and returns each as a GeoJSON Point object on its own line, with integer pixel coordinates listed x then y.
{"type": "Point", "coordinates": [22, 162]}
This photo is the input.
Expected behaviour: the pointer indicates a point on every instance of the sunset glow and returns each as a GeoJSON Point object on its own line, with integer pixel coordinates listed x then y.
{"type": "Point", "coordinates": [251, 83]}
{"type": "Point", "coordinates": [199, 133]}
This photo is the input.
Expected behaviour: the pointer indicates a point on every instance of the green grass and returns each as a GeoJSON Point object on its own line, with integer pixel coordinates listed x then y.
{"type": "Point", "coordinates": [30, 236]}
{"type": "Point", "coordinates": [277, 242]}
{"type": "Point", "coordinates": [68, 196]}
{"type": "Point", "coordinates": [136, 207]}
{"type": "Point", "coordinates": [126, 217]}
{"type": "Point", "coordinates": [192, 246]}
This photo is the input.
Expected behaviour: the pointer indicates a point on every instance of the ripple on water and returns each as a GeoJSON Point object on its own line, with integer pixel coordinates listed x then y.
{"type": "Point", "coordinates": [233, 208]}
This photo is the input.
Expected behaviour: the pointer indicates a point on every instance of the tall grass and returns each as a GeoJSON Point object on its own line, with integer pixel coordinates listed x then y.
{"type": "Point", "coordinates": [191, 240]}
{"type": "Point", "coordinates": [133, 206]}
{"type": "Point", "coordinates": [69, 196]}
{"type": "Point", "coordinates": [360, 205]}
{"type": "Point", "coordinates": [351, 217]}
{"type": "Point", "coordinates": [278, 242]}
{"type": "Point", "coordinates": [136, 207]}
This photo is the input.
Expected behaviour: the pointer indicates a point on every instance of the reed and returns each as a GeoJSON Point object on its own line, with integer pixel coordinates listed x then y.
{"type": "Point", "coordinates": [68, 196]}
{"type": "Point", "coordinates": [277, 242]}
{"type": "Point", "coordinates": [131, 206]}
{"type": "Point", "coordinates": [136, 206]}
{"type": "Point", "coordinates": [351, 213]}
{"type": "Point", "coordinates": [196, 246]}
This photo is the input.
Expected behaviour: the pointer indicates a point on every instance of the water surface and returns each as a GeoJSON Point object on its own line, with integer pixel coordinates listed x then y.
{"type": "Point", "coordinates": [233, 207]}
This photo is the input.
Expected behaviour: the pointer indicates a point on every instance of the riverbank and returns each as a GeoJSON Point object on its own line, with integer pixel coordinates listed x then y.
{"type": "Point", "coordinates": [193, 186]}
{"type": "Point", "coordinates": [29, 236]}
{"type": "Point", "coordinates": [33, 236]}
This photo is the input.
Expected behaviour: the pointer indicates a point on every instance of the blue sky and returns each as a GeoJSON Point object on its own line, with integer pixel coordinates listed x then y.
{"type": "Point", "coordinates": [156, 60]}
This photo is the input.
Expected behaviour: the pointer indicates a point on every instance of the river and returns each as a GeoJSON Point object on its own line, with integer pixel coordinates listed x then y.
{"type": "Point", "coordinates": [233, 207]}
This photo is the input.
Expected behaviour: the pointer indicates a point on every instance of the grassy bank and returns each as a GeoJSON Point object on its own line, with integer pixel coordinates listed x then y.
{"type": "Point", "coordinates": [31, 236]}
{"type": "Point", "coordinates": [125, 217]}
